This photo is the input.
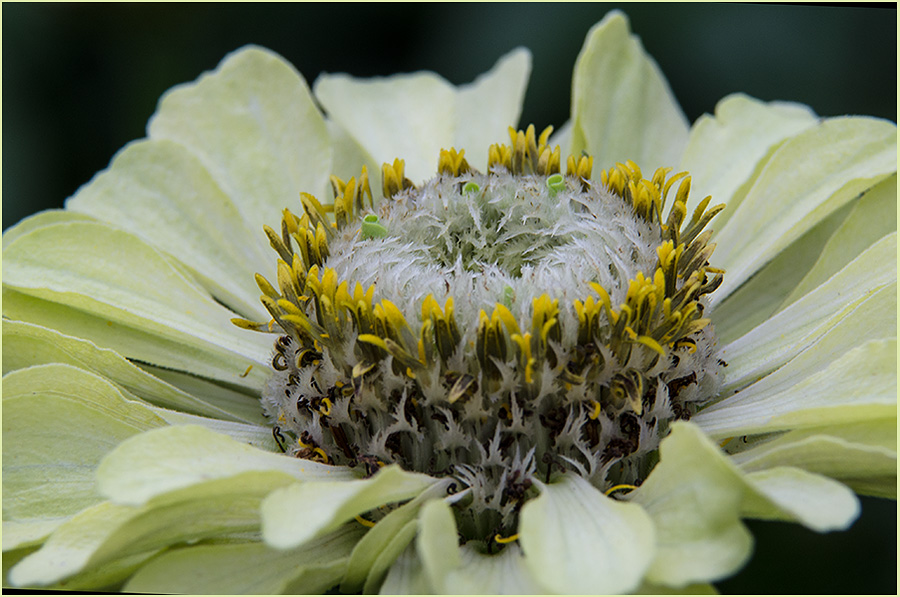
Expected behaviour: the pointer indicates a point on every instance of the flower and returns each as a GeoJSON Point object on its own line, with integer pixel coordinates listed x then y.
{"type": "Point", "coordinates": [137, 454]}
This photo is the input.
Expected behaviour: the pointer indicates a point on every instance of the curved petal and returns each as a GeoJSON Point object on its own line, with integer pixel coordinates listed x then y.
{"type": "Point", "coordinates": [505, 573]}
{"type": "Point", "coordinates": [851, 307]}
{"type": "Point", "coordinates": [171, 458]}
{"type": "Point", "coordinates": [807, 178]}
{"type": "Point", "coordinates": [414, 116]}
{"type": "Point", "coordinates": [253, 124]}
{"type": "Point", "coordinates": [248, 568]}
{"type": "Point", "coordinates": [787, 493]}
{"type": "Point", "coordinates": [696, 497]}
{"type": "Point", "coordinates": [873, 217]}
{"type": "Point", "coordinates": [41, 219]}
{"type": "Point", "coordinates": [861, 455]}
{"type": "Point", "coordinates": [383, 543]}
{"type": "Point", "coordinates": [160, 192]}
{"type": "Point", "coordinates": [578, 541]}
{"type": "Point", "coordinates": [26, 344]}
{"type": "Point", "coordinates": [111, 274]}
{"type": "Point", "coordinates": [437, 543]}
{"type": "Point", "coordinates": [724, 150]}
{"type": "Point", "coordinates": [487, 107]}
{"type": "Point", "coordinates": [109, 532]}
{"type": "Point", "coordinates": [406, 576]}
{"type": "Point", "coordinates": [296, 514]}
{"type": "Point", "coordinates": [622, 107]}
{"type": "Point", "coordinates": [59, 421]}
{"type": "Point", "coordinates": [812, 390]}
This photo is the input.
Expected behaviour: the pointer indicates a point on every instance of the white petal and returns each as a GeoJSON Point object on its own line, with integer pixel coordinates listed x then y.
{"type": "Point", "coordinates": [26, 344]}
{"type": "Point", "coordinates": [861, 455]}
{"type": "Point", "coordinates": [577, 540]}
{"type": "Point", "coordinates": [297, 513]}
{"type": "Point", "coordinates": [859, 385]}
{"type": "Point", "coordinates": [849, 308]}
{"type": "Point", "coordinates": [248, 568]}
{"type": "Point", "coordinates": [112, 274]}
{"type": "Point", "coordinates": [487, 107]}
{"type": "Point", "coordinates": [253, 124]}
{"type": "Point", "coordinates": [723, 150]}
{"type": "Point", "coordinates": [406, 116]}
{"type": "Point", "coordinates": [504, 573]}
{"type": "Point", "coordinates": [808, 177]}
{"type": "Point", "coordinates": [437, 543]}
{"type": "Point", "coordinates": [406, 576]}
{"type": "Point", "coordinates": [109, 532]}
{"type": "Point", "coordinates": [386, 540]}
{"type": "Point", "coordinates": [694, 497]}
{"type": "Point", "coordinates": [622, 107]}
{"type": "Point", "coordinates": [414, 116]}
{"type": "Point", "coordinates": [41, 219]}
{"type": "Point", "coordinates": [160, 192]}
{"type": "Point", "coordinates": [172, 458]}
{"type": "Point", "coordinates": [873, 217]}
{"type": "Point", "coordinates": [792, 494]}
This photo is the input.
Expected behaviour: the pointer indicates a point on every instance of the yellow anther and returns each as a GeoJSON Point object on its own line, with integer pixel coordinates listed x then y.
{"type": "Point", "coordinates": [364, 522]}
{"type": "Point", "coordinates": [596, 410]}
{"type": "Point", "coordinates": [325, 407]}
{"type": "Point", "coordinates": [618, 487]}
{"type": "Point", "coordinates": [321, 454]}
{"type": "Point", "coordinates": [452, 162]}
{"type": "Point", "coordinates": [393, 180]}
{"type": "Point", "coordinates": [724, 442]}
{"type": "Point", "coordinates": [505, 540]}
{"type": "Point", "coordinates": [247, 371]}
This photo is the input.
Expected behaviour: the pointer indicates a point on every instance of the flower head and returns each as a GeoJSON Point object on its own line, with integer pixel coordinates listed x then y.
{"type": "Point", "coordinates": [553, 364]}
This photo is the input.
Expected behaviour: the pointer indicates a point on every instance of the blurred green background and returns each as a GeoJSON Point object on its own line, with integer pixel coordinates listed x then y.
{"type": "Point", "coordinates": [81, 80]}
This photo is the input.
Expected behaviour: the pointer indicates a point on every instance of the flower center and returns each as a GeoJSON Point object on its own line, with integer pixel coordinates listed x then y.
{"type": "Point", "coordinates": [594, 342]}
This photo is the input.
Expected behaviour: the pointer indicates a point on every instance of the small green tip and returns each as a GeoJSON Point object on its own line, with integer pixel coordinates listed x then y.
{"type": "Point", "coordinates": [372, 229]}
{"type": "Point", "coordinates": [509, 295]}
{"type": "Point", "coordinates": [556, 183]}
{"type": "Point", "coordinates": [471, 187]}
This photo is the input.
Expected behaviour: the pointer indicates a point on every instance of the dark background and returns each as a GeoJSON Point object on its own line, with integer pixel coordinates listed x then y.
{"type": "Point", "coordinates": [81, 80]}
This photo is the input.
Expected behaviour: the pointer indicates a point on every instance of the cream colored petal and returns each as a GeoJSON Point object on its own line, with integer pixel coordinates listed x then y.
{"type": "Point", "coordinates": [248, 568]}
{"type": "Point", "coordinates": [382, 544]}
{"type": "Point", "coordinates": [487, 107]}
{"type": "Point", "coordinates": [860, 455]}
{"type": "Point", "coordinates": [258, 436]}
{"type": "Point", "coordinates": [407, 116]}
{"type": "Point", "coordinates": [725, 149]}
{"type": "Point", "coordinates": [387, 559]}
{"type": "Point", "coordinates": [851, 307]}
{"type": "Point", "coordinates": [786, 493]}
{"type": "Point", "coordinates": [59, 422]}
{"type": "Point", "coordinates": [437, 544]}
{"type": "Point", "coordinates": [414, 116]}
{"type": "Point", "coordinates": [157, 190]}
{"type": "Point", "coordinates": [873, 217]}
{"type": "Point", "coordinates": [504, 573]}
{"type": "Point", "coordinates": [41, 219]}
{"type": "Point", "coordinates": [811, 391]}
{"type": "Point", "coordinates": [298, 513]}
{"type": "Point", "coordinates": [112, 274]}
{"type": "Point", "coordinates": [350, 157]}
{"type": "Point", "coordinates": [807, 178]}
{"type": "Point", "coordinates": [109, 532]}
{"type": "Point", "coordinates": [406, 576]}
{"type": "Point", "coordinates": [25, 344]}
{"type": "Point", "coordinates": [171, 458]}
{"type": "Point", "coordinates": [696, 497]}
{"type": "Point", "coordinates": [253, 124]}
{"type": "Point", "coordinates": [763, 295]}
{"type": "Point", "coordinates": [577, 540]}
{"type": "Point", "coordinates": [622, 107]}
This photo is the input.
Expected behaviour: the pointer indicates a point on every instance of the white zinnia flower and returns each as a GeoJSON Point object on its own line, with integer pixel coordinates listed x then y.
{"type": "Point", "coordinates": [479, 375]}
